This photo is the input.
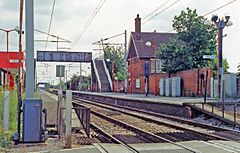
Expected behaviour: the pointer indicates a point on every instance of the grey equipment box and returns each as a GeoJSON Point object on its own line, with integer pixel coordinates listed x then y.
{"type": "Point", "coordinates": [32, 120]}
{"type": "Point", "coordinates": [162, 87]}
{"type": "Point", "coordinates": [176, 86]}
{"type": "Point", "coordinates": [230, 84]}
{"type": "Point", "coordinates": [168, 87]}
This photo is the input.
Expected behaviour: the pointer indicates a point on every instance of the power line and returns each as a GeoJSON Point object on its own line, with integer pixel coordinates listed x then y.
{"type": "Point", "coordinates": [96, 10]}
{"type": "Point", "coordinates": [156, 9]}
{"type": "Point", "coordinates": [97, 42]}
{"type": "Point", "coordinates": [175, 2]}
{"type": "Point", "coordinates": [100, 4]}
{"type": "Point", "coordinates": [157, 13]}
{"type": "Point", "coordinates": [219, 7]}
{"type": "Point", "coordinates": [153, 12]}
{"type": "Point", "coordinates": [54, 36]}
{"type": "Point", "coordinates": [50, 23]}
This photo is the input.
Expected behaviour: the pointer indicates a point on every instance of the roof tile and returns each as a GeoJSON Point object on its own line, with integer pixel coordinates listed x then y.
{"type": "Point", "coordinates": [140, 40]}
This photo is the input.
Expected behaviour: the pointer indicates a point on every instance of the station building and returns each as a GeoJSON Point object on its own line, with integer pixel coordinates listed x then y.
{"type": "Point", "coordinates": [138, 53]}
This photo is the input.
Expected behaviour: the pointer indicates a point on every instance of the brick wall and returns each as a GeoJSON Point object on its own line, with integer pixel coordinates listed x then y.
{"type": "Point", "coordinates": [193, 81]}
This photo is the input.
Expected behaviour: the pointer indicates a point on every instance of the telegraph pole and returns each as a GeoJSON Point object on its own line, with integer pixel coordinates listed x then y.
{"type": "Point", "coordinates": [220, 23]}
{"type": "Point", "coordinates": [220, 67]}
{"type": "Point", "coordinates": [126, 65]}
{"type": "Point", "coordinates": [19, 86]}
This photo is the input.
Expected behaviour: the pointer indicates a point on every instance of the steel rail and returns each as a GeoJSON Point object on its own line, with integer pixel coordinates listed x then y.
{"type": "Point", "coordinates": [108, 136]}
{"type": "Point", "coordinates": [217, 129]}
{"type": "Point", "coordinates": [147, 135]}
{"type": "Point", "coordinates": [113, 139]}
{"type": "Point", "coordinates": [163, 123]}
{"type": "Point", "coordinates": [178, 119]}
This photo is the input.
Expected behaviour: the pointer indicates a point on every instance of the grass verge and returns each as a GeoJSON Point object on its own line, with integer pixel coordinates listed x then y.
{"type": "Point", "coordinates": [6, 136]}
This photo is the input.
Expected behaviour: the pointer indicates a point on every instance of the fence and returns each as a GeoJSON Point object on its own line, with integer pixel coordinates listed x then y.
{"type": "Point", "coordinates": [83, 114]}
{"type": "Point", "coordinates": [227, 111]}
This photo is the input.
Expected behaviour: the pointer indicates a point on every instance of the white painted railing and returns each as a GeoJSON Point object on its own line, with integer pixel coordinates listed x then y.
{"type": "Point", "coordinates": [97, 74]}
{"type": "Point", "coordinates": [107, 73]}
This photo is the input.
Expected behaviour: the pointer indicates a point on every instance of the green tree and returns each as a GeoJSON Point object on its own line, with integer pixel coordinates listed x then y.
{"type": "Point", "coordinates": [174, 55]}
{"type": "Point", "coordinates": [193, 40]}
{"type": "Point", "coordinates": [214, 65]}
{"type": "Point", "coordinates": [115, 54]}
{"type": "Point", "coordinates": [74, 82]}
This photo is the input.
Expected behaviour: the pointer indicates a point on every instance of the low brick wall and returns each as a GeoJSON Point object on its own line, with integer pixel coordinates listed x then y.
{"type": "Point", "coordinates": [193, 81]}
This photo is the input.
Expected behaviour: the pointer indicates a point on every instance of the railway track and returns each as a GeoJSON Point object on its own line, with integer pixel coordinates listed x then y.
{"type": "Point", "coordinates": [145, 128]}
{"type": "Point", "coordinates": [130, 131]}
{"type": "Point", "coordinates": [174, 122]}
{"type": "Point", "coordinates": [122, 133]}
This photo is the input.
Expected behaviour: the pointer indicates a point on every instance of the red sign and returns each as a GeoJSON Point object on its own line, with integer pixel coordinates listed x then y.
{"type": "Point", "coordinates": [10, 59]}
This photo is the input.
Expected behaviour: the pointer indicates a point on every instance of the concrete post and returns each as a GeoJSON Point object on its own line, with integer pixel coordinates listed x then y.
{"type": "Point", "coordinates": [6, 109]}
{"type": "Point", "coordinates": [146, 86]}
{"type": "Point", "coordinates": [59, 117]}
{"type": "Point", "coordinates": [80, 78]}
{"type": "Point", "coordinates": [29, 26]}
{"type": "Point", "coordinates": [68, 141]}
{"type": "Point", "coordinates": [212, 87]}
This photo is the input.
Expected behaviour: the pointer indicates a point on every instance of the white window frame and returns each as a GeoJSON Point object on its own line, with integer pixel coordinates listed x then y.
{"type": "Point", "coordinates": [138, 83]}
{"type": "Point", "coordinates": [158, 64]}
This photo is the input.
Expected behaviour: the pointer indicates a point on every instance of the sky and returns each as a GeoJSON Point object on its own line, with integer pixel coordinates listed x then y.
{"type": "Point", "coordinates": [70, 17]}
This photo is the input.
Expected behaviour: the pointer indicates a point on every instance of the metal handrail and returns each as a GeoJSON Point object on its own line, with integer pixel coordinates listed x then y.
{"type": "Point", "coordinates": [215, 103]}
{"type": "Point", "coordinates": [234, 104]}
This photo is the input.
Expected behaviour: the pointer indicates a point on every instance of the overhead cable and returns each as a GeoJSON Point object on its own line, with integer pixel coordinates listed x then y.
{"type": "Point", "coordinates": [50, 23]}
{"type": "Point", "coordinates": [156, 9]}
{"type": "Point", "coordinates": [97, 42]}
{"type": "Point", "coordinates": [218, 8]}
{"type": "Point", "coordinates": [175, 2]}
{"type": "Point", "coordinates": [93, 15]}
{"type": "Point", "coordinates": [54, 36]}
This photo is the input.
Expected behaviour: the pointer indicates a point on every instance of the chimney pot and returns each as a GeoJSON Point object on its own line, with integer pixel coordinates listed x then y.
{"type": "Point", "coordinates": [138, 24]}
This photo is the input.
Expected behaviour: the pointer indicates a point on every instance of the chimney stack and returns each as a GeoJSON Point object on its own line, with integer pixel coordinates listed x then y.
{"type": "Point", "coordinates": [138, 24]}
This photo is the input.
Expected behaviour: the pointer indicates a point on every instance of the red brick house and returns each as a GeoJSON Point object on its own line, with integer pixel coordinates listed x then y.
{"type": "Point", "coordinates": [138, 53]}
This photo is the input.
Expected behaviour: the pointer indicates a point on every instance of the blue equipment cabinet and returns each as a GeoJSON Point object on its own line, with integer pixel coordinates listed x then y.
{"type": "Point", "coordinates": [32, 120]}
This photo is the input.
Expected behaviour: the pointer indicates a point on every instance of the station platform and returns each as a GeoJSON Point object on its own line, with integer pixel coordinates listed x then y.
{"type": "Point", "coordinates": [150, 98]}
{"type": "Point", "coordinates": [177, 106]}
{"type": "Point", "coordinates": [50, 103]}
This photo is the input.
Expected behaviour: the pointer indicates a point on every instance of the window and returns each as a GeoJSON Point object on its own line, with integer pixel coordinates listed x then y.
{"type": "Point", "coordinates": [137, 83]}
{"type": "Point", "coordinates": [158, 66]}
